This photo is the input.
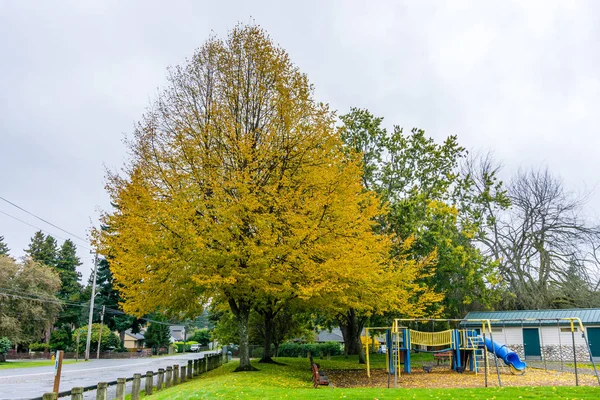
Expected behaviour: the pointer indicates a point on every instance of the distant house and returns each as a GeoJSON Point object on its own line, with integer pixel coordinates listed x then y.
{"type": "Point", "coordinates": [325, 336]}
{"type": "Point", "coordinates": [177, 333]}
{"type": "Point", "coordinates": [133, 340]}
{"type": "Point", "coordinates": [549, 337]}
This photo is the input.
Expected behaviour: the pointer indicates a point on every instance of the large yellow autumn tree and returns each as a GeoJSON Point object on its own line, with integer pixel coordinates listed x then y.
{"type": "Point", "coordinates": [238, 190]}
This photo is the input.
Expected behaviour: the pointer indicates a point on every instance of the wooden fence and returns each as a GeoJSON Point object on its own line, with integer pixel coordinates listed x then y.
{"type": "Point", "coordinates": [166, 378]}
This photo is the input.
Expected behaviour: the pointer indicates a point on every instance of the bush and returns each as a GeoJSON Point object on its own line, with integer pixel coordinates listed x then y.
{"type": "Point", "coordinates": [187, 346]}
{"type": "Point", "coordinates": [60, 339]}
{"type": "Point", "coordinates": [202, 336]}
{"type": "Point", "coordinates": [110, 341]}
{"type": "Point", "coordinates": [257, 352]}
{"type": "Point", "coordinates": [39, 347]}
{"type": "Point", "coordinates": [317, 349]}
{"type": "Point", "coordinates": [4, 347]}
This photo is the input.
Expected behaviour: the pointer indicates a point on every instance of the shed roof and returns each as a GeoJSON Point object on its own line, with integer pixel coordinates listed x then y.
{"type": "Point", "coordinates": [589, 316]}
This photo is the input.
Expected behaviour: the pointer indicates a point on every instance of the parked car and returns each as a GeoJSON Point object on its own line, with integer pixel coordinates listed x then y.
{"type": "Point", "coordinates": [195, 347]}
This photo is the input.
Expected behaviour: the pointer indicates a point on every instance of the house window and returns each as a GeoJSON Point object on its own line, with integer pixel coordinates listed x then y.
{"type": "Point", "coordinates": [567, 330]}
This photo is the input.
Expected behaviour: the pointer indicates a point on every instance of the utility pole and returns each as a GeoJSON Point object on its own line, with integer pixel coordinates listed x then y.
{"type": "Point", "coordinates": [100, 334]}
{"type": "Point", "coordinates": [89, 332]}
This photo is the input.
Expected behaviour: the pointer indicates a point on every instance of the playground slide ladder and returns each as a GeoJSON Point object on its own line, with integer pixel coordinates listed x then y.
{"type": "Point", "coordinates": [479, 358]}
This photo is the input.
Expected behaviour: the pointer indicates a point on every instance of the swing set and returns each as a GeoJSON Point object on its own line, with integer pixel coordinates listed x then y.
{"type": "Point", "coordinates": [468, 346]}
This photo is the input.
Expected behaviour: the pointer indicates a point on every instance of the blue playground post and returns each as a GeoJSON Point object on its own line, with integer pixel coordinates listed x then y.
{"type": "Point", "coordinates": [406, 334]}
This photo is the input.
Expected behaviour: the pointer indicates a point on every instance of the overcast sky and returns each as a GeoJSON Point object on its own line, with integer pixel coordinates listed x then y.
{"type": "Point", "coordinates": [519, 78]}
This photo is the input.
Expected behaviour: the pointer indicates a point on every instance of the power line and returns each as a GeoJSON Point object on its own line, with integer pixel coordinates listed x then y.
{"type": "Point", "coordinates": [43, 230]}
{"type": "Point", "coordinates": [43, 220]}
{"type": "Point", "coordinates": [62, 302]}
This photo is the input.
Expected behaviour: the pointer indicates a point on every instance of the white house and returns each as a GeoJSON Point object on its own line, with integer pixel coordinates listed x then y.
{"type": "Point", "coordinates": [539, 334]}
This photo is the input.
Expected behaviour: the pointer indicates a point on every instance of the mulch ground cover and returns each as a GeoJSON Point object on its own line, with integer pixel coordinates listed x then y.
{"type": "Point", "coordinates": [446, 378]}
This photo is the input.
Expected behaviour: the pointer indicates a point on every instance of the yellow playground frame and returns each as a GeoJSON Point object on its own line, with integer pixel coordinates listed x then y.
{"type": "Point", "coordinates": [400, 340]}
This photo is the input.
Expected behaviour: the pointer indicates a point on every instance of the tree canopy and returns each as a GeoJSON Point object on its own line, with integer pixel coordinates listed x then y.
{"type": "Point", "coordinates": [28, 304]}
{"type": "Point", "coordinates": [239, 190]}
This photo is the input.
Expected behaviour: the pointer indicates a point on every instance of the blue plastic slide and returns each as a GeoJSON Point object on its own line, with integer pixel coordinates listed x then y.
{"type": "Point", "coordinates": [509, 357]}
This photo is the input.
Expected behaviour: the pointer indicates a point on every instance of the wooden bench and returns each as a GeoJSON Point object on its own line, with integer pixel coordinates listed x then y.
{"type": "Point", "coordinates": [443, 356]}
{"type": "Point", "coordinates": [318, 377]}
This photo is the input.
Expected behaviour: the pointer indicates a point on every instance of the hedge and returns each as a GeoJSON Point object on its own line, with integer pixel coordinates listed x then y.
{"type": "Point", "coordinates": [188, 345]}
{"type": "Point", "coordinates": [317, 349]}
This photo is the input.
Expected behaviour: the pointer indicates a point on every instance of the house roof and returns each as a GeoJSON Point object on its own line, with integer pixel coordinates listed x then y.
{"type": "Point", "coordinates": [589, 316]}
{"type": "Point", "coordinates": [136, 336]}
{"type": "Point", "coordinates": [177, 332]}
{"type": "Point", "coordinates": [325, 336]}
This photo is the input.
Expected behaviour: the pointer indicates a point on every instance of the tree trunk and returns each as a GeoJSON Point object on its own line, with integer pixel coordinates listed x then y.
{"type": "Point", "coordinates": [2, 357]}
{"type": "Point", "coordinates": [242, 312]}
{"type": "Point", "coordinates": [266, 358]}
{"type": "Point", "coordinates": [122, 337]}
{"type": "Point", "coordinates": [351, 326]}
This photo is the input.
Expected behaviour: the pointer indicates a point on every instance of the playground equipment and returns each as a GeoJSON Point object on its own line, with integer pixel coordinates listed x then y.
{"type": "Point", "coordinates": [468, 347]}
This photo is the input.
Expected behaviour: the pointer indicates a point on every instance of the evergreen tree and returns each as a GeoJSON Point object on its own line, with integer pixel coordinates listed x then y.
{"type": "Point", "coordinates": [109, 296]}
{"type": "Point", "coordinates": [66, 266]}
{"type": "Point", "coordinates": [42, 249]}
{"type": "Point", "coordinates": [4, 250]}
{"type": "Point", "coordinates": [157, 335]}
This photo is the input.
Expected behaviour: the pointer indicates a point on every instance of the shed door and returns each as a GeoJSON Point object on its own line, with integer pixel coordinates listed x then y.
{"type": "Point", "coordinates": [531, 342]}
{"type": "Point", "coordinates": [594, 340]}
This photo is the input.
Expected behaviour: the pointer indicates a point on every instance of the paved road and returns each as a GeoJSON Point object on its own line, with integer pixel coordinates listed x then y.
{"type": "Point", "coordinates": [27, 383]}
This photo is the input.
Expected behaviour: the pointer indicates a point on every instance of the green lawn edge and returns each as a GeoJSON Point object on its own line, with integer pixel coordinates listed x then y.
{"type": "Point", "coordinates": [292, 381]}
{"type": "Point", "coordinates": [30, 364]}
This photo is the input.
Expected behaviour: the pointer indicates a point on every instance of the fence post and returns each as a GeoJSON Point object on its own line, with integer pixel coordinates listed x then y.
{"type": "Point", "coordinates": [149, 383]}
{"type": "Point", "coordinates": [169, 377]}
{"type": "Point", "coordinates": [121, 388]}
{"type": "Point", "coordinates": [183, 373]}
{"type": "Point", "coordinates": [161, 378]}
{"type": "Point", "coordinates": [204, 364]}
{"type": "Point", "coordinates": [196, 368]}
{"type": "Point", "coordinates": [135, 387]}
{"type": "Point", "coordinates": [77, 393]}
{"type": "Point", "coordinates": [189, 370]}
{"type": "Point", "coordinates": [175, 374]}
{"type": "Point", "coordinates": [50, 396]}
{"type": "Point", "coordinates": [101, 391]}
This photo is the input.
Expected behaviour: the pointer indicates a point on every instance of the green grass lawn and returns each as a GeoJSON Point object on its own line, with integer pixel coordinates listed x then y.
{"type": "Point", "coordinates": [584, 365]}
{"type": "Point", "coordinates": [29, 364]}
{"type": "Point", "coordinates": [293, 381]}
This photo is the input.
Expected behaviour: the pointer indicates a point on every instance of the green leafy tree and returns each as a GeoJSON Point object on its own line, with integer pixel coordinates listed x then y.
{"type": "Point", "coordinates": [432, 201]}
{"type": "Point", "coordinates": [201, 336]}
{"type": "Point", "coordinates": [109, 340]}
{"type": "Point", "coordinates": [4, 250]}
{"type": "Point", "coordinates": [157, 336]}
{"type": "Point", "coordinates": [61, 339]}
{"type": "Point", "coordinates": [28, 304]}
{"type": "Point", "coordinates": [4, 348]}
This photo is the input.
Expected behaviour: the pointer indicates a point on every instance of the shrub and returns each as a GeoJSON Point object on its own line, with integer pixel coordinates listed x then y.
{"type": "Point", "coordinates": [202, 336]}
{"type": "Point", "coordinates": [110, 341]}
{"type": "Point", "coordinates": [60, 339]}
{"type": "Point", "coordinates": [4, 347]}
{"type": "Point", "coordinates": [39, 347]}
{"type": "Point", "coordinates": [187, 345]}
{"type": "Point", "coordinates": [317, 349]}
{"type": "Point", "coordinates": [257, 352]}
